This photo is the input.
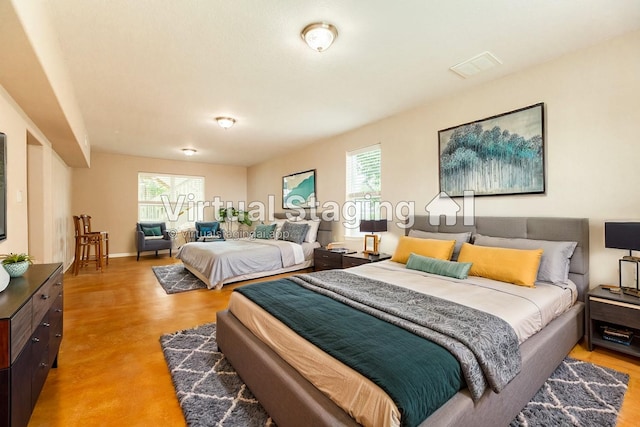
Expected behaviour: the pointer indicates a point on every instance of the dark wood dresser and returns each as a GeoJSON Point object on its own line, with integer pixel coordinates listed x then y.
{"type": "Point", "coordinates": [30, 336]}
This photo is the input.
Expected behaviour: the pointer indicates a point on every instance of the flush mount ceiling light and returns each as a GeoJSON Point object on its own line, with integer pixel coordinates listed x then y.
{"type": "Point", "coordinates": [189, 151]}
{"type": "Point", "coordinates": [225, 122]}
{"type": "Point", "coordinates": [319, 35]}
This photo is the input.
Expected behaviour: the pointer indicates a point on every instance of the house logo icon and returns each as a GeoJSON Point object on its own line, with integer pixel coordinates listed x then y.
{"type": "Point", "coordinates": [444, 206]}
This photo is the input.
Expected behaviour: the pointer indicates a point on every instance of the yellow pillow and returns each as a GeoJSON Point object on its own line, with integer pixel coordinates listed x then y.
{"type": "Point", "coordinates": [441, 249]}
{"type": "Point", "coordinates": [516, 266]}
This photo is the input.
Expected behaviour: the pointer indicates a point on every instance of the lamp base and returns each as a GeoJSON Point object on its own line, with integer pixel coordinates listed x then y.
{"type": "Point", "coordinates": [631, 258]}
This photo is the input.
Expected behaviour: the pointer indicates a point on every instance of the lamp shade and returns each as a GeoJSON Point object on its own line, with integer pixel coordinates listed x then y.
{"type": "Point", "coordinates": [622, 235]}
{"type": "Point", "coordinates": [373, 226]}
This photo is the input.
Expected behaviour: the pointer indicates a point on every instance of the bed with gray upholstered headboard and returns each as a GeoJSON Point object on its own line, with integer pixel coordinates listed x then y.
{"type": "Point", "coordinates": [292, 400]}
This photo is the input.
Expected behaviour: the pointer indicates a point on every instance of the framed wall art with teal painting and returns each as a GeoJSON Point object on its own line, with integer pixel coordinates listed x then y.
{"type": "Point", "coordinates": [499, 155]}
{"type": "Point", "coordinates": [299, 190]}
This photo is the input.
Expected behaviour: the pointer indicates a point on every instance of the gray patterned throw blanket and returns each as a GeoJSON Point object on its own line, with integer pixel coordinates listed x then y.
{"type": "Point", "coordinates": [485, 345]}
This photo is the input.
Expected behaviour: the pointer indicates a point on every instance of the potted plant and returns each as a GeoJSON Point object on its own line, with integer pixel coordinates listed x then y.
{"type": "Point", "coordinates": [16, 264]}
{"type": "Point", "coordinates": [231, 214]}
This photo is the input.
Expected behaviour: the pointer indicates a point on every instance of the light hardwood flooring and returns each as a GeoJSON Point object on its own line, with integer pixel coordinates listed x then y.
{"type": "Point", "coordinates": [111, 370]}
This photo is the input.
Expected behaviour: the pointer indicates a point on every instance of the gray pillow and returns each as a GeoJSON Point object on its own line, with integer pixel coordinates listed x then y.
{"type": "Point", "coordinates": [293, 232]}
{"type": "Point", "coordinates": [554, 265]}
{"type": "Point", "coordinates": [460, 238]}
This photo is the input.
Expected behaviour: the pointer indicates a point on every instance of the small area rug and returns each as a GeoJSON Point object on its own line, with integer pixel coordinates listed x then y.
{"type": "Point", "coordinates": [211, 393]}
{"type": "Point", "coordinates": [175, 278]}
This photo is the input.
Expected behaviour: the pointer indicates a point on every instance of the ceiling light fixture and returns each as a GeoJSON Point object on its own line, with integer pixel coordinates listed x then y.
{"type": "Point", "coordinates": [319, 35]}
{"type": "Point", "coordinates": [225, 122]}
{"type": "Point", "coordinates": [189, 151]}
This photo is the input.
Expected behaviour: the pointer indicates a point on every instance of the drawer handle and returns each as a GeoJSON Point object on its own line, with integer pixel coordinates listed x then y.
{"type": "Point", "coordinates": [45, 324]}
{"type": "Point", "coordinates": [58, 283]}
{"type": "Point", "coordinates": [35, 339]}
{"type": "Point", "coordinates": [44, 296]}
{"type": "Point", "coordinates": [58, 310]}
{"type": "Point", "coordinates": [43, 365]}
{"type": "Point", "coordinates": [58, 335]}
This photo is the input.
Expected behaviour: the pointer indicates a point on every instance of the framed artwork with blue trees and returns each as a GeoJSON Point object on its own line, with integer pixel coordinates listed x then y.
{"type": "Point", "coordinates": [499, 155]}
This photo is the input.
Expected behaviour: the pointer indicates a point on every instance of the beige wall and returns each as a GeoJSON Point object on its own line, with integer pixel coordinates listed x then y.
{"type": "Point", "coordinates": [54, 189]}
{"type": "Point", "coordinates": [592, 148]}
{"type": "Point", "coordinates": [108, 191]}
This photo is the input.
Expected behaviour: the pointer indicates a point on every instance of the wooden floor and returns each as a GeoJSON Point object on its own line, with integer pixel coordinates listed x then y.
{"type": "Point", "coordinates": [111, 369]}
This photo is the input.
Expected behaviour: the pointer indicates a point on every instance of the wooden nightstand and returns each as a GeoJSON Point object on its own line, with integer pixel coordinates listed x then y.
{"type": "Point", "coordinates": [324, 259]}
{"type": "Point", "coordinates": [352, 260]}
{"type": "Point", "coordinates": [620, 311]}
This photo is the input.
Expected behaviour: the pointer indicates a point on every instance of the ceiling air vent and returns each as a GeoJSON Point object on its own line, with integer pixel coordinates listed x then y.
{"type": "Point", "coordinates": [475, 65]}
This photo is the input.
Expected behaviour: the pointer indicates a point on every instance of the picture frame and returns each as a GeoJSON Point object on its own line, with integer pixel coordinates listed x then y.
{"type": "Point", "coordinates": [370, 244]}
{"type": "Point", "coordinates": [299, 190]}
{"type": "Point", "coordinates": [498, 155]}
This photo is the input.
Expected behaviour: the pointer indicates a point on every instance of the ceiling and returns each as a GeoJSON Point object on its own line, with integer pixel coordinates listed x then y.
{"type": "Point", "coordinates": [150, 75]}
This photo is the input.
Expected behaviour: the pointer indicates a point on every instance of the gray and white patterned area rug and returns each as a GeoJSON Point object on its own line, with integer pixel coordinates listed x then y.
{"type": "Point", "coordinates": [211, 393]}
{"type": "Point", "coordinates": [175, 278]}
{"type": "Point", "coordinates": [577, 394]}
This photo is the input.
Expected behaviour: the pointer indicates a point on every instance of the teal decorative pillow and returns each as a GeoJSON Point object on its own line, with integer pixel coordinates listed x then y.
{"type": "Point", "coordinates": [458, 270]}
{"type": "Point", "coordinates": [264, 231]}
{"type": "Point", "coordinates": [151, 231]}
{"type": "Point", "coordinates": [293, 232]}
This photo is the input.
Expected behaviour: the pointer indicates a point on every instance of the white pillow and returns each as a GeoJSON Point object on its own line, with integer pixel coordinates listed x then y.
{"type": "Point", "coordinates": [277, 234]}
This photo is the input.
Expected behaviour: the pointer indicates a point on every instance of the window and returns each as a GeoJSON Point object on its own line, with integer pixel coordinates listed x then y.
{"type": "Point", "coordinates": [182, 193]}
{"type": "Point", "coordinates": [364, 184]}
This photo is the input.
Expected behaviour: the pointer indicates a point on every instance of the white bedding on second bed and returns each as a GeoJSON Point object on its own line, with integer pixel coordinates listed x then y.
{"type": "Point", "coordinates": [221, 260]}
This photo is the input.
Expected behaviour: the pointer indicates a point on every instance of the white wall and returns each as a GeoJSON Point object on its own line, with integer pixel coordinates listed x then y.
{"type": "Point", "coordinates": [592, 148]}
{"type": "Point", "coordinates": [55, 186]}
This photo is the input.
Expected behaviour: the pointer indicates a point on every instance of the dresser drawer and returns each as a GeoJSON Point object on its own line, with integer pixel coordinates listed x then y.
{"type": "Point", "coordinates": [21, 329]}
{"type": "Point", "coordinates": [615, 312]}
{"type": "Point", "coordinates": [45, 296]}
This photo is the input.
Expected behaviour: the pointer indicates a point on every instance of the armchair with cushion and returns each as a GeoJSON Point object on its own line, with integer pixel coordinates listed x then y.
{"type": "Point", "coordinates": [208, 231]}
{"type": "Point", "coordinates": [152, 236]}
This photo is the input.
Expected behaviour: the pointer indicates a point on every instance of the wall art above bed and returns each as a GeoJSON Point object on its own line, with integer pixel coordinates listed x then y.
{"type": "Point", "coordinates": [299, 190]}
{"type": "Point", "coordinates": [499, 155]}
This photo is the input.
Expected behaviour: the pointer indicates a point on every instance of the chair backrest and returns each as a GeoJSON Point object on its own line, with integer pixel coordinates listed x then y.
{"type": "Point", "coordinates": [207, 229]}
{"type": "Point", "coordinates": [77, 224]}
{"type": "Point", "coordinates": [86, 223]}
{"type": "Point", "coordinates": [162, 225]}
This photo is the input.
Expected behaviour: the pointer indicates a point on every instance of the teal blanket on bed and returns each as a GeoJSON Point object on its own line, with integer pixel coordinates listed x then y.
{"type": "Point", "coordinates": [419, 375]}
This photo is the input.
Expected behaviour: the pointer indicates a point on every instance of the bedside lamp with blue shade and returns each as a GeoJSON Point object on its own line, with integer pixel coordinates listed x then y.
{"type": "Point", "coordinates": [372, 240]}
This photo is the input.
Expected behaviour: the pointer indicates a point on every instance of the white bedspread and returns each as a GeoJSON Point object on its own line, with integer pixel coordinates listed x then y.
{"type": "Point", "coordinates": [527, 310]}
{"type": "Point", "coordinates": [222, 260]}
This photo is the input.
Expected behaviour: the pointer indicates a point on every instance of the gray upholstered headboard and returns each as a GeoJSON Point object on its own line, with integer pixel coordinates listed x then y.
{"type": "Point", "coordinates": [325, 232]}
{"type": "Point", "coordinates": [558, 229]}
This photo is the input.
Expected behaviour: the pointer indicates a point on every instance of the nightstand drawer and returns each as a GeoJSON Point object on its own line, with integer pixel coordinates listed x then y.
{"type": "Point", "coordinates": [615, 312]}
{"type": "Point", "coordinates": [349, 261]}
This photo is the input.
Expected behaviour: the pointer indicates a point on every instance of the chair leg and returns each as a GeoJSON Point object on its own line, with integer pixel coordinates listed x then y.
{"type": "Point", "coordinates": [138, 259]}
{"type": "Point", "coordinates": [169, 252]}
{"type": "Point", "coordinates": [156, 254]}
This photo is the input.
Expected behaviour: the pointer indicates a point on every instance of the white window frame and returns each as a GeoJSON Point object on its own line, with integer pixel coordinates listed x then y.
{"type": "Point", "coordinates": [176, 188]}
{"type": "Point", "coordinates": [355, 191]}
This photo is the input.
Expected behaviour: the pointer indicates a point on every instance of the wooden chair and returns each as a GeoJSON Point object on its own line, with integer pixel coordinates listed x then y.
{"type": "Point", "coordinates": [84, 243]}
{"type": "Point", "coordinates": [86, 225]}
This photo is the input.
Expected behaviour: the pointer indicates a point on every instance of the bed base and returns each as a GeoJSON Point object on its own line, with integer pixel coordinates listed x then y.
{"type": "Point", "coordinates": [292, 401]}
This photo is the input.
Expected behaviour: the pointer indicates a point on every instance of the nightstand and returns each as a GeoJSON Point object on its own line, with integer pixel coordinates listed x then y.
{"type": "Point", "coordinates": [619, 311]}
{"type": "Point", "coordinates": [324, 259]}
{"type": "Point", "coordinates": [352, 260]}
